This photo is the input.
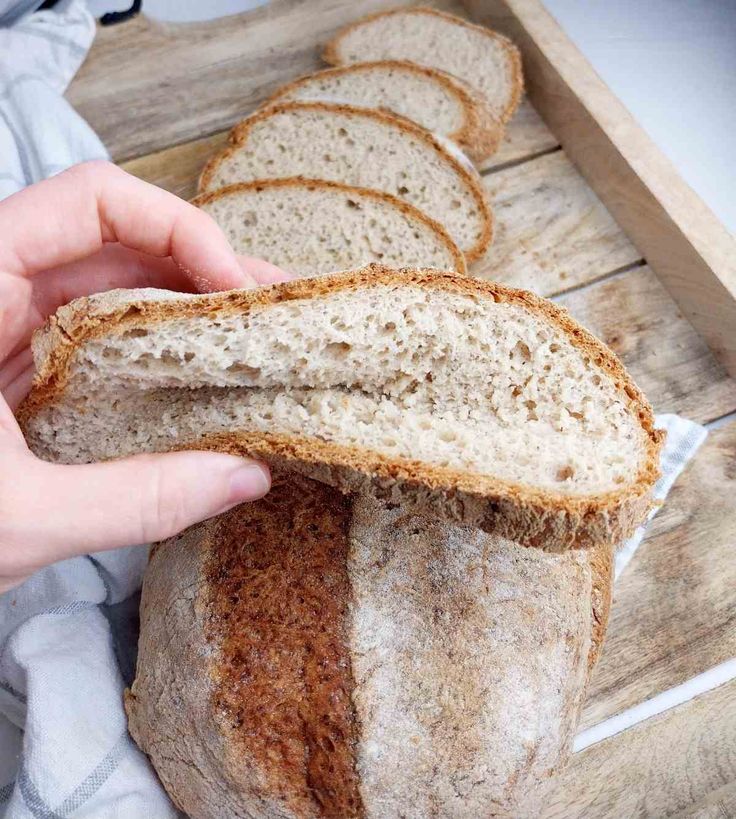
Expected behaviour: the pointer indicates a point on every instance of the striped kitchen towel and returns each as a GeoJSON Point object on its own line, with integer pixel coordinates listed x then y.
{"type": "Point", "coordinates": [40, 133]}
{"type": "Point", "coordinates": [64, 748]}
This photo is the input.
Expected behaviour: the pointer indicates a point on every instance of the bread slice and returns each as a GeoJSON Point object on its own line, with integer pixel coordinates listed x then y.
{"type": "Point", "coordinates": [302, 657]}
{"type": "Point", "coordinates": [467, 399]}
{"type": "Point", "coordinates": [311, 227]}
{"type": "Point", "coordinates": [362, 147]}
{"type": "Point", "coordinates": [482, 58]}
{"type": "Point", "coordinates": [433, 99]}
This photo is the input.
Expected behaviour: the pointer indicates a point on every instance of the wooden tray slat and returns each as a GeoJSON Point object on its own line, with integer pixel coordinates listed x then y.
{"type": "Point", "coordinates": [552, 232]}
{"type": "Point", "coordinates": [674, 764]}
{"type": "Point", "coordinates": [526, 136]}
{"type": "Point", "coordinates": [673, 615]}
{"type": "Point", "coordinates": [637, 318]}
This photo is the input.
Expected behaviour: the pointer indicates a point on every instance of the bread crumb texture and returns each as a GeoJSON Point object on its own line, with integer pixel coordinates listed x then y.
{"type": "Point", "coordinates": [362, 147]}
{"type": "Point", "coordinates": [466, 383]}
{"type": "Point", "coordinates": [313, 227]}
{"type": "Point", "coordinates": [485, 404]}
{"type": "Point", "coordinates": [483, 58]}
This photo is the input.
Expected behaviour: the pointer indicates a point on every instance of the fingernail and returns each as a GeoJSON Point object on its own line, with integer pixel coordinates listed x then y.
{"type": "Point", "coordinates": [248, 483]}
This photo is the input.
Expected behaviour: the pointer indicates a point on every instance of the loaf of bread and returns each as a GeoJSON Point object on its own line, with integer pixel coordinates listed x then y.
{"type": "Point", "coordinates": [362, 147]}
{"type": "Point", "coordinates": [311, 227]}
{"type": "Point", "coordinates": [300, 657]}
{"type": "Point", "coordinates": [482, 58]}
{"type": "Point", "coordinates": [434, 99]}
{"type": "Point", "coordinates": [466, 399]}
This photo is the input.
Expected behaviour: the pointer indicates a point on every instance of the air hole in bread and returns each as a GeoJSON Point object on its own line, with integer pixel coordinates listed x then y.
{"type": "Point", "coordinates": [338, 348]}
{"type": "Point", "coordinates": [238, 368]}
{"type": "Point", "coordinates": [136, 332]}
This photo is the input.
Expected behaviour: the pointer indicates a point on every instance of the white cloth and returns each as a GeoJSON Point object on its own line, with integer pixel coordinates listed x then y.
{"type": "Point", "coordinates": [683, 439]}
{"type": "Point", "coordinates": [40, 133]}
{"type": "Point", "coordinates": [67, 647]}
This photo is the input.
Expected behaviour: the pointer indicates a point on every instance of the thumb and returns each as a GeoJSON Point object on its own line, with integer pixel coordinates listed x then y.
{"type": "Point", "coordinates": [53, 512]}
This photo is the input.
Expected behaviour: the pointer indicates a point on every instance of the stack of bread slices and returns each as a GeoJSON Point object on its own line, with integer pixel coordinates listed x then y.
{"type": "Point", "coordinates": [405, 625]}
{"type": "Point", "coordinates": [372, 161]}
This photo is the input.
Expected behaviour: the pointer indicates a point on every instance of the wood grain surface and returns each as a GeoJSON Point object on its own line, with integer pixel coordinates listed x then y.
{"type": "Point", "coordinates": [526, 136]}
{"type": "Point", "coordinates": [551, 231]}
{"type": "Point", "coordinates": [670, 765]}
{"type": "Point", "coordinates": [718, 804]}
{"type": "Point", "coordinates": [636, 317]}
{"type": "Point", "coordinates": [673, 614]}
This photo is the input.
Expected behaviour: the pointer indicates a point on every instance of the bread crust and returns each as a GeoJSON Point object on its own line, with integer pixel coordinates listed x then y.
{"type": "Point", "coordinates": [331, 52]}
{"type": "Point", "coordinates": [177, 728]}
{"type": "Point", "coordinates": [459, 658]}
{"type": "Point", "coordinates": [480, 133]}
{"type": "Point", "coordinates": [369, 193]}
{"type": "Point", "coordinates": [239, 136]}
{"type": "Point", "coordinates": [601, 567]}
{"type": "Point", "coordinates": [529, 515]}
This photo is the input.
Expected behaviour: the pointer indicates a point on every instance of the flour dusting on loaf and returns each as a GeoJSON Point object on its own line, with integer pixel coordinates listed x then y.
{"type": "Point", "coordinates": [303, 656]}
{"type": "Point", "coordinates": [470, 658]}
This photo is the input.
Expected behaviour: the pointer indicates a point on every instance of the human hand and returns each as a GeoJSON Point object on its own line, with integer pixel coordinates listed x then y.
{"type": "Point", "coordinates": [89, 229]}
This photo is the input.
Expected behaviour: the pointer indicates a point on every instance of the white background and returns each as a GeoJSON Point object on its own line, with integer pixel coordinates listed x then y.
{"type": "Point", "coordinates": [673, 64]}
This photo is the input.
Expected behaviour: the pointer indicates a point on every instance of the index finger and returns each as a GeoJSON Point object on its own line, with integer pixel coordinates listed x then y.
{"type": "Point", "coordinates": [72, 215]}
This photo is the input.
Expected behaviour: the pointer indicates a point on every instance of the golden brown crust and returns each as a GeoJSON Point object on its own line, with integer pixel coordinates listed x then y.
{"type": "Point", "coordinates": [479, 135]}
{"type": "Point", "coordinates": [239, 134]}
{"type": "Point", "coordinates": [331, 54]}
{"type": "Point", "coordinates": [277, 589]}
{"type": "Point", "coordinates": [532, 516]}
{"type": "Point", "coordinates": [381, 196]}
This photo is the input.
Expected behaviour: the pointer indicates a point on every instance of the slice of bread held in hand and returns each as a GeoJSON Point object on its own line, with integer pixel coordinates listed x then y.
{"type": "Point", "coordinates": [311, 227]}
{"type": "Point", "coordinates": [482, 58]}
{"type": "Point", "coordinates": [433, 99]}
{"type": "Point", "coordinates": [361, 147]}
{"type": "Point", "coordinates": [302, 658]}
{"type": "Point", "coordinates": [463, 398]}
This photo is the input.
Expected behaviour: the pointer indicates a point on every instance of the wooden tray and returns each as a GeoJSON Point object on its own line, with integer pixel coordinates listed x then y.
{"type": "Point", "coordinates": [589, 212]}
